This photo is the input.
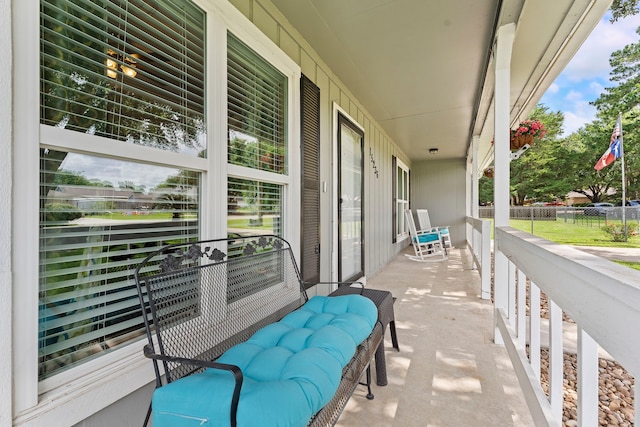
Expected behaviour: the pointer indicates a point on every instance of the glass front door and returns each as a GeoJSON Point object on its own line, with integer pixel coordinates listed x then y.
{"type": "Point", "coordinates": [350, 188]}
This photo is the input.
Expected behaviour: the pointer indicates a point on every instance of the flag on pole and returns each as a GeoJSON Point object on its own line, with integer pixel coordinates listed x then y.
{"type": "Point", "coordinates": [615, 147]}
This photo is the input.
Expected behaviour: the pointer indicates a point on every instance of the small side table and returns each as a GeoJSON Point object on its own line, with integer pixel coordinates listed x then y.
{"type": "Point", "coordinates": [384, 302]}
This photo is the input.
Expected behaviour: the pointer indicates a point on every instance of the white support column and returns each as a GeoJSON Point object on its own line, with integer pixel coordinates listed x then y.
{"type": "Point", "coordinates": [475, 211]}
{"type": "Point", "coordinates": [504, 45]}
{"type": "Point", "coordinates": [469, 191]}
{"type": "Point", "coordinates": [472, 188]}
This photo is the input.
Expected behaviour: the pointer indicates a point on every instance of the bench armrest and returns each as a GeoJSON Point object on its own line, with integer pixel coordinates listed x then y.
{"type": "Point", "coordinates": [234, 370]}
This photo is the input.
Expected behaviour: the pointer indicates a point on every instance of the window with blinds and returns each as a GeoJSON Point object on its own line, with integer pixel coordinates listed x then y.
{"type": "Point", "coordinates": [254, 207]}
{"type": "Point", "coordinates": [131, 70]}
{"type": "Point", "coordinates": [93, 234]}
{"type": "Point", "coordinates": [257, 116]}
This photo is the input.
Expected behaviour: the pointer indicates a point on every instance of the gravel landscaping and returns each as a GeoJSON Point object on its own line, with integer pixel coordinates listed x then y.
{"type": "Point", "coordinates": [615, 386]}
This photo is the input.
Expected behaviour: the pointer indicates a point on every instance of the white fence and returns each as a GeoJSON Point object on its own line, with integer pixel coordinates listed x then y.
{"type": "Point", "coordinates": [603, 298]}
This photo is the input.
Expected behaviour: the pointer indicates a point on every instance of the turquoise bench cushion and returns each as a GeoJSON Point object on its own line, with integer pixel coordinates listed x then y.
{"type": "Point", "coordinates": [291, 368]}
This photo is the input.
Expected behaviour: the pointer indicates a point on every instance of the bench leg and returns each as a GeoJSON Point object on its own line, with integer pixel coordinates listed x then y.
{"type": "Point", "coordinates": [394, 337]}
{"type": "Point", "coordinates": [369, 394]}
{"type": "Point", "coordinates": [148, 416]}
{"type": "Point", "coordinates": [368, 383]}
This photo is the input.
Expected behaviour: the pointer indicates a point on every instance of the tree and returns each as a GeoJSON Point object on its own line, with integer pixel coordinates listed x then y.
{"type": "Point", "coordinates": [67, 177]}
{"type": "Point", "coordinates": [623, 8]}
{"type": "Point", "coordinates": [485, 190]}
{"type": "Point", "coordinates": [584, 148]}
{"type": "Point", "coordinates": [623, 98]}
{"type": "Point", "coordinates": [539, 173]}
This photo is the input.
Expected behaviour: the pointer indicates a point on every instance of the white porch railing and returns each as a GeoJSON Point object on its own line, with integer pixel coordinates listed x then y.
{"type": "Point", "coordinates": [602, 297]}
{"type": "Point", "coordinates": [479, 241]}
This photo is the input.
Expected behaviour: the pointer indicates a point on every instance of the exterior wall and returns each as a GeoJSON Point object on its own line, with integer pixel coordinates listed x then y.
{"type": "Point", "coordinates": [5, 214]}
{"type": "Point", "coordinates": [378, 203]}
{"type": "Point", "coordinates": [126, 412]}
{"type": "Point", "coordinates": [378, 148]}
{"type": "Point", "coordinates": [439, 186]}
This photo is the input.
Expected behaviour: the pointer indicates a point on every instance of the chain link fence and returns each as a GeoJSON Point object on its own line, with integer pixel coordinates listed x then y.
{"type": "Point", "coordinates": [585, 216]}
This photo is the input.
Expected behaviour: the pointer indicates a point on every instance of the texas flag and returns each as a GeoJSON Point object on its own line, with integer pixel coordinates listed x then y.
{"type": "Point", "coordinates": [615, 147]}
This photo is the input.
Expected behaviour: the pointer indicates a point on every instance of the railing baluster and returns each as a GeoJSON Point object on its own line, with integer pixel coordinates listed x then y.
{"type": "Point", "coordinates": [534, 328]}
{"type": "Point", "coordinates": [485, 251]}
{"type": "Point", "coordinates": [512, 293]}
{"type": "Point", "coordinates": [587, 380]}
{"type": "Point", "coordinates": [636, 400]}
{"type": "Point", "coordinates": [556, 358]}
{"type": "Point", "coordinates": [599, 295]}
{"type": "Point", "coordinates": [522, 309]}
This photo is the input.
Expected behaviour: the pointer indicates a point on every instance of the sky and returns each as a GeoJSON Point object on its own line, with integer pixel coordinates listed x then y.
{"type": "Point", "coordinates": [587, 74]}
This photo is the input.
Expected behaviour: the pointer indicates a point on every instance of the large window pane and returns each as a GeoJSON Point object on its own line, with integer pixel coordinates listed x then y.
{"type": "Point", "coordinates": [98, 219]}
{"type": "Point", "coordinates": [131, 70]}
{"type": "Point", "coordinates": [350, 201]}
{"type": "Point", "coordinates": [253, 207]}
{"type": "Point", "coordinates": [257, 94]}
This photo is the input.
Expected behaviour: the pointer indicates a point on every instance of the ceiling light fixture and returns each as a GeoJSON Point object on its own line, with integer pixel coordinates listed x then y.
{"type": "Point", "coordinates": [433, 151]}
{"type": "Point", "coordinates": [112, 64]}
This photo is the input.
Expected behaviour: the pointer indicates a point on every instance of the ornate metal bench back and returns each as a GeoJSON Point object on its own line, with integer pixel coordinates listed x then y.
{"type": "Point", "coordinates": [203, 297]}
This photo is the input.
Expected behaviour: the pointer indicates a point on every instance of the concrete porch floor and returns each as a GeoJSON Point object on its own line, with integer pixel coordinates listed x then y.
{"type": "Point", "coordinates": [448, 371]}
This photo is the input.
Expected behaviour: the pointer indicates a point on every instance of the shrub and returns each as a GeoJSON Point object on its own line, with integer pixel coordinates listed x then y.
{"type": "Point", "coordinates": [61, 212]}
{"type": "Point", "coordinates": [617, 231]}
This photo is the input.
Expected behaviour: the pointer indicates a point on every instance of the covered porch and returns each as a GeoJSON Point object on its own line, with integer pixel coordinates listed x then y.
{"type": "Point", "coordinates": [430, 85]}
{"type": "Point", "coordinates": [448, 371]}
{"type": "Point", "coordinates": [537, 367]}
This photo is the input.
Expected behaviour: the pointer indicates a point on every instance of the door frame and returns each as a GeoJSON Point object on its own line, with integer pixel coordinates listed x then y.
{"type": "Point", "coordinates": [335, 261]}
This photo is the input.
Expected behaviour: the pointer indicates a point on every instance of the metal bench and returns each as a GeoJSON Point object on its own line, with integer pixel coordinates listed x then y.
{"type": "Point", "coordinates": [202, 298]}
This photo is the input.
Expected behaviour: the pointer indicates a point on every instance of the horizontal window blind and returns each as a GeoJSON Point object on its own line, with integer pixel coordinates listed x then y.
{"type": "Point", "coordinates": [257, 115]}
{"type": "Point", "coordinates": [254, 207]}
{"type": "Point", "coordinates": [92, 237]}
{"type": "Point", "coordinates": [131, 70]}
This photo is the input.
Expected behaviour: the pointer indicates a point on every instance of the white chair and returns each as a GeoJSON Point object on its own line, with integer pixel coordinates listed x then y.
{"type": "Point", "coordinates": [426, 245]}
{"type": "Point", "coordinates": [425, 224]}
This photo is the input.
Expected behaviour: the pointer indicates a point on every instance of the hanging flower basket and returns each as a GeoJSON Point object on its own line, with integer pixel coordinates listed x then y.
{"type": "Point", "coordinates": [489, 172]}
{"type": "Point", "coordinates": [519, 141]}
{"type": "Point", "coordinates": [526, 133]}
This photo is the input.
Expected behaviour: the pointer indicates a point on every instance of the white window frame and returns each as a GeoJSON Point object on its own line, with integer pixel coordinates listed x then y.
{"type": "Point", "coordinates": [82, 391]}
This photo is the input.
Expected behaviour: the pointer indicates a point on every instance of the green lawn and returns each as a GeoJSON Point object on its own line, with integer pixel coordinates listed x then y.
{"type": "Point", "coordinates": [243, 222]}
{"type": "Point", "coordinates": [634, 265]}
{"type": "Point", "coordinates": [572, 234]}
{"type": "Point", "coordinates": [576, 234]}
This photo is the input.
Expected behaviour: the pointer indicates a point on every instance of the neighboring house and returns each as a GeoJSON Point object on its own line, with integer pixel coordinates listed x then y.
{"type": "Point", "coordinates": [320, 114]}
{"type": "Point", "coordinates": [575, 198]}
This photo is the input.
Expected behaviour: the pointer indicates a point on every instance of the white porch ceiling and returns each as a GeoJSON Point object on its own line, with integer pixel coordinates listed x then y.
{"type": "Point", "coordinates": [423, 68]}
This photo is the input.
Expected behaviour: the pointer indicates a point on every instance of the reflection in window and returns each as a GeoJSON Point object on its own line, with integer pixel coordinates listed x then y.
{"type": "Point", "coordinates": [253, 207]}
{"type": "Point", "coordinates": [98, 219]}
{"type": "Point", "coordinates": [131, 70]}
{"type": "Point", "coordinates": [256, 110]}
